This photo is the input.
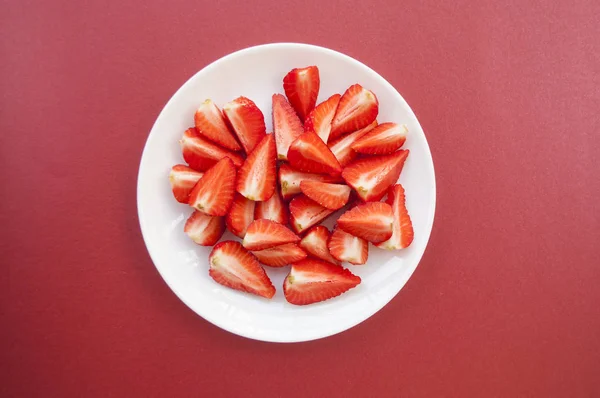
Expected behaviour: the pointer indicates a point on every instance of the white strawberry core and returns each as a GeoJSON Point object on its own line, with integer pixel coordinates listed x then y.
{"type": "Point", "coordinates": [352, 248]}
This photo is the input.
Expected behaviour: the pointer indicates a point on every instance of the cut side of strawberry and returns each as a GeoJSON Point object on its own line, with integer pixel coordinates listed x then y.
{"type": "Point", "coordinates": [331, 196]}
{"type": "Point", "coordinates": [315, 244]}
{"type": "Point", "coordinates": [311, 281]}
{"type": "Point", "coordinates": [342, 147]}
{"type": "Point", "coordinates": [305, 212]}
{"type": "Point", "coordinates": [382, 140]}
{"type": "Point", "coordinates": [290, 179]}
{"type": "Point", "coordinates": [264, 234]}
{"type": "Point", "coordinates": [403, 233]}
{"type": "Point", "coordinates": [213, 193]}
{"type": "Point", "coordinates": [280, 256]}
{"type": "Point", "coordinates": [357, 109]}
{"type": "Point", "coordinates": [371, 221]}
{"type": "Point", "coordinates": [286, 125]}
{"type": "Point", "coordinates": [182, 180]}
{"type": "Point", "coordinates": [203, 229]}
{"type": "Point", "coordinates": [247, 121]}
{"type": "Point", "coordinates": [240, 215]}
{"type": "Point", "coordinates": [233, 266]}
{"type": "Point", "coordinates": [310, 154]}
{"type": "Point", "coordinates": [211, 124]}
{"type": "Point", "coordinates": [273, 209]}
{"type": "Point", "coordinates": [346, 247]}
{"type": "Point", "coordinates": [319, 119]}
{"type": "Point", "coordinates": [301, 86]}
{"type": "Point", "coordinates": [372, 177]}
{"type": "Point", "coordinates": [258, 175]}
{"type": "Point", "coordinates": [202, 154]}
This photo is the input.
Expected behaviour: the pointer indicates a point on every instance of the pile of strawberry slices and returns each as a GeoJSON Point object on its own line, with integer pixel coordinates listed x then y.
{"type": "Point", "coordinates": [273, 190]}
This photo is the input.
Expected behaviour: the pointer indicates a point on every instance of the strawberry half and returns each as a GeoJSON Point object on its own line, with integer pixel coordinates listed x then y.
{"type": "Point", "coordinates": [258, 175]}
{"type": "Point", "coordinates": [286, 125]}
{"type": "Point", "coordinates": [382, 140]}
{"type": "Point", "coordinates": [240, 215]}
{"type": "Point", "coordinates": [205, 230]}
{"type": "Point", "coordinates": [280, 256]}
{"type": "Point", "coordinates": [182, 180]}
{"type": "Point", "coordinates": [346, 247]}
{"type": "Point", "coordinates": [331, 196]}
{"type": "Point", "coordinates": [371, 177]}
{"type": "Point", "coordinates": [301, 86]}
{"type": "Point", "coordinates": [290, 180]}
{"type": "Point", "coordinates": [233, 266]}
{"type": "Point", "coordinates": [311, 281]}
{"type": "Point", "coordinates": [319, 119]}
{"type": "Point", "coordinates": [357, 109]}
{"type": "Point", "coordinates": [342, 147]}
{"type": "Point", "coordinates": [202, 154]}
{"type": "Point", "coordinates": [310, 154]}
{"type": "Point", "coordinates": [315, 243]}
{"type": "Point", "coordinates": [403, 233]}
{"type": "Point", "coordinates": [372, 221]}
{"type": "Point", "coordinates": [213, 194]}
{"type": "Point", "coordinates": [273, 209]}
{"type": "Point", "coordinates": [305, 212]}
{"type": "Point", "coordinates": [247, 121]}
{"type": "Point", "coordinates": [264, 234]}
{"type": "Point", "coordinates": [211, 124]}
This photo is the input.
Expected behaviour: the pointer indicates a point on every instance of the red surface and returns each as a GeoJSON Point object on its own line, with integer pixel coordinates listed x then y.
{"type": "Point", "coordinates": [505, 301]}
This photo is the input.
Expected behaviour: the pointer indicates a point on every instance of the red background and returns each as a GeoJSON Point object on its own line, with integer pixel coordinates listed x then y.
{"type": "Point", "coordinates": [505, 301]}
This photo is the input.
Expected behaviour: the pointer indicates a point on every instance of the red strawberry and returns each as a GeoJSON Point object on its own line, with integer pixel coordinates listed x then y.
{"type": "Point", "coordinates": [258, 175]}
{"type": "Point", "coordinates": [210, 123]}
{"type": "Point", "coordinates": [305, 212]}
{"type": "Point", "coordinates": [182, 180]}
{"type": "Point", "coordinates": [315, 243]}
{"type": "Point", "coordinates": [280, 256]}
{"type": "Point", "coordinates": [357, 109]}
{"type": "Point", "coordinates": [273, 209]}
{"type": "Point", "coordinates": [202, 154]}
{"type": "Point", "coordinates": [332, 196]}
{"type": "Point", "coordinates": [308, 153]}
{"type": "Point", "coordinates": [346, 247]}
{"type": "Point", "coordinates": [247, 121]}
{"type": "Point", "coordinates": [290, 179]}
{"type": "Point", "coordinates": [311, 281]}
{"type": "Point", "coordinates": [382, 140]}
{"type": "Point", "coordinates": [319, 119]}
{"type": "Point", "coordinates": [372, 221]}
{"type": "Point", "coordinates": [341, 147]}
{"type": "Point", "coordinates": [301, 86]}
{"type": "Point", "coordinates": [264, 234]}
{"type": "Point", "coordinates": [240, 215]}
{"type": "Point", "coordinates": [371, 177]}
{"type": "Point", "coordinates": [205, 230]}
{"type": "Point", "coordinates": [213, 193]}
{"type": "Point", "coordinates": [233, 266]}
{"type": "Point", "coordinates": [286, 125]}
{"type": "Point", "coordinates": [403, 233]}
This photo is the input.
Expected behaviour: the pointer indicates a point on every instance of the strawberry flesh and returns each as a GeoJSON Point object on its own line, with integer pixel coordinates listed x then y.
{"type": "Point", "coordinates": [273, 209]}
{"type": "Point", "coordinates": [203, 229]}
{"type": "Point", "coordinates": [183, 179]}
{"type": "Point", "coordinates": [358, 108]}
{"type": "Point", "coordinates": [319, 119]}
{"type": "Point", "coordinates": [201, 154]}
{"type": "Point", "coordinates": [258, 175]}
{"type": "Point", "coordinates": [247, 121]}
{"type": "Point", "coordinates": [280, 256]}
{"type": "Point", "coordinates": [301, 86]}
{"type": "Point", "coordinates": [403, 233]}
{"type": "Point", "coordinates": [210, 123]}
{"type": "Point", "coordinates": [342, 147]}
{"type": "Point", "coordinates": [240, 215]}
{"type": "Point", "coordinates": [305, 212]}
{"type": "Point", "coordinates": [213, 193]}
{"type": "Point", "coordinates": [346, 247]}
{"type": "Point", "coordinates": [331, 196]}
{"type": "Point", "coordinates": [315, 243]}
{"type": "Point", "coordinates": [382, 140]}
{"type": "Point", "coordinates": [371, 221]}
{"type": "Point", "coordinates": [264, 234]}
{"type": "Point", "coordinates": [290, 180]}
{"type": "Point", "coordinates": [309, 154]}
{"type": "Point", "coordinates": [286, 125]}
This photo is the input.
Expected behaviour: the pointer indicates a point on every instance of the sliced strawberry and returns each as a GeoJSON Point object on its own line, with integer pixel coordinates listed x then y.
{"type": "Point", "coordinates": [372, 221]}
{"type": "Point", "coordinates": [346, 247]}
{"type": "Point", "coordinates": [371, 177]}
{"type": "Point", "coordinates": [311, 281]}
{"type": "Point", "coordinates": [211, 124]}
{"type": "Point", "coordinates": [205, 230]}
{"type": "Point", "coordinates": [280, 256]}
{"type": "Point", "coordinates": [273, 209]}
{"type": "Point", "coordinates": [342, 147]}
{"type": "Point", "coordinates": [319, 119]}
{"type": "Point", "coordinates": [382, 140]}
{"type": "Point", "coordinates": [213, 193]}
{"type": "Point", "coordinates": [240, 215]}
{"type": "Point", "coordinates": [315, 243]}
{"type": "Point", "coordinates": [182, 180]}
{"type": "Point", "coordinates": [403, 233]}
{"type": "Point", "coordinates": [357, 109]}
{"type": "Point", "coordinates": [247, 121]}
{"type": "Point", "coordinates": [290, 179]}
{"type": "Point", "coordinates": [308, 153]}
{"type": "Point", "coordinates": [258, 175]}
{"type": "Point", "coordinates": [332, 196]}
{"type": "Point", "coordinates": [233, 266]}
{"type": "Point", "coordinates": [202, 154]}
{"type": "Point", "coordinates": [264, 234]}
{"type": "Point", "coordinates": [301, 86]}
{"type": "Point", "coordinates": [286, 125]}
{"type": "Point", "coordinates": [305, 212]}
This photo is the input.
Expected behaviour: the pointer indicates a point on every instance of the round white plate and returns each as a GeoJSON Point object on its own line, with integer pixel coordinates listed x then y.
{"type": "Point", "coordinates": [257, 73]}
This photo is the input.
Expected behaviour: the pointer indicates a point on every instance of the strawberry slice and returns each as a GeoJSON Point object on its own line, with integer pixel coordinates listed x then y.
{"type": "Point", "coordinates": [213, 193]}
{"type": "Point", "coordinates": [311, 281]}
{"type": "Point", "coordinates": [357, 109]}
{"type": "Point", "coordinates": [372, 221]}
{"type": "Point", "coordinates": [342, 147]}
{"type": "Point", "coordinates": [403, 233]}
{"type": "Point", "coordinates": [202, 154]}
{"type": "Point", "coordinates": [182, 180]}
{"type": "Point", "coordinates": [382, 140]}
{"type": "Point", "coordinates": [308, 153]}
{"type": "Point", "coordinates": [319, 119]}
{"type": "Point", "coordinates": [315, 243]}
{"type": "Point", "coordinates": [332, 196]}
{"type": "Point", "coordinates": [247, 122]}
{"type": "Point", "coordinates": [371, 177]}
{"type": "Point", "coordinates": [240, 215]}
{"type": "Point", "coordinates": [233, 266]}
{"type": "Point", "coordinates": [273, 209]}
{"type": "Point", "coordinates": [258, 175]}
{"type": "Point", "coordinates": [205, 230]}
{"type": "Point", "coordinates": [286, 125]}
{"type": "Point", "coordinates": [290, 180]}
{"type": "Point", "coordinates": [264, 234]}
{"type": "Point", "coordinates": [211, 124]}
{"type": "Point", "coordinates": [280, 256]}
{"type": "Point", "coordinates": [301, 86]}
{"type": "Point", "coordinates": [346, 247]}
{"type": "Point", "coordinates": [305, 212]}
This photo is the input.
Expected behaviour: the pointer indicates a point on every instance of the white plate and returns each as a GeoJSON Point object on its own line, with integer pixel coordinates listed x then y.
{"type": "Point", "coordinates": [257, 73]}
